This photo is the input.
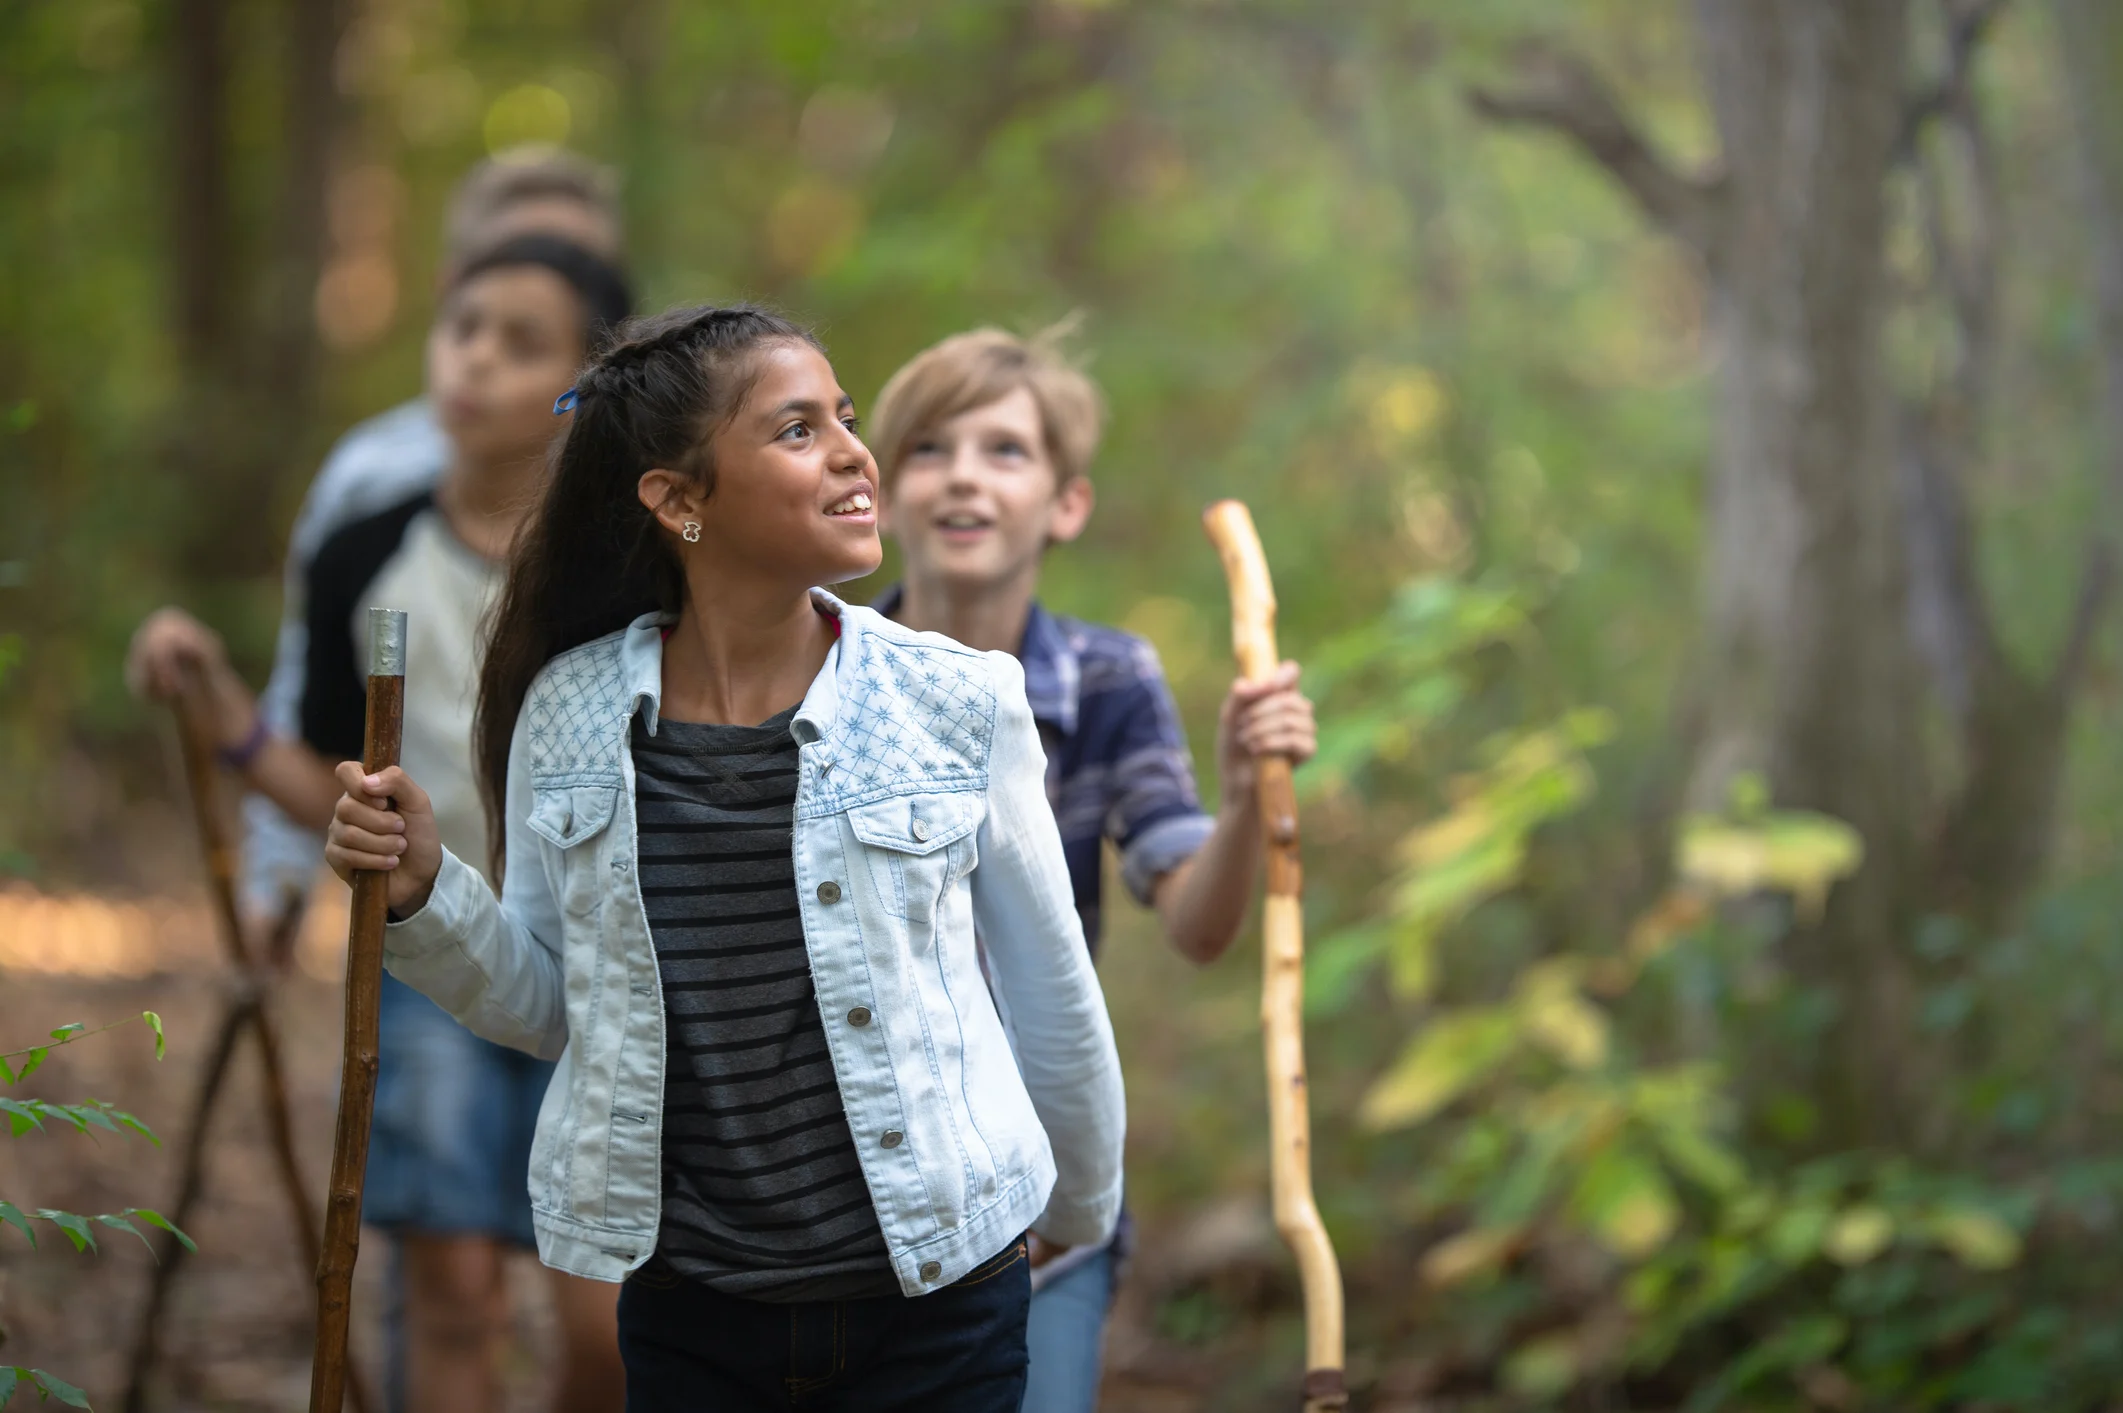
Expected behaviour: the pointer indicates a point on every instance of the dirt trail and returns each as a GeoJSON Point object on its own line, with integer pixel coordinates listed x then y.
{"type": "Point", "coordinates": [236, 1335]}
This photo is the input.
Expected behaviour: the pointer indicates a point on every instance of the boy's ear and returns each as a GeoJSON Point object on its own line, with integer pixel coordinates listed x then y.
{"type": "Point", "coordinates": [670, 497]}
{"type": "Point", "coordinates": [1071, 510]}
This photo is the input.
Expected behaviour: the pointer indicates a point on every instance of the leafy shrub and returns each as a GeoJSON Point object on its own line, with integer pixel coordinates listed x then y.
{"type": "Point", "coordinates": [39, 1115]}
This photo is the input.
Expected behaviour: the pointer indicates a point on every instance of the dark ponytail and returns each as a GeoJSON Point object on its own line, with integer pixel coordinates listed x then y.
{"type": "Point", "coordinates": [593, 558]}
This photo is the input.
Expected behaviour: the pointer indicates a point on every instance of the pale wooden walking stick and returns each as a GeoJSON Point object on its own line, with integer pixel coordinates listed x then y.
{"type": "Point", "coordinates": [357, 1074]}
{"type": "Point", "coordinates": [1230, 528]}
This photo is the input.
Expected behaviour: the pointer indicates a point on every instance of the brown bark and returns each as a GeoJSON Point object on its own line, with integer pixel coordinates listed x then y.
{"type": "Point", "coordinates": [199, 193]}
{"type": "Point", "coordinates": [288, 374]}
{"type": "Point", "coordinates": [1806, 674]}
{"type": "Point", "coordinates": [2093, 62]}
{"type": "Point", "coordinates": [357, 1076]}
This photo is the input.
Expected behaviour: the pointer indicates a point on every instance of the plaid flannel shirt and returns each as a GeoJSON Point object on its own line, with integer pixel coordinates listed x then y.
{"type": "Point", "coordinates": [1117, 760]}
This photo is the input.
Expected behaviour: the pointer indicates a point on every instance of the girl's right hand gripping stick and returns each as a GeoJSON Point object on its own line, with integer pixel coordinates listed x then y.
{"type": "Point", "coordinates": [1230, 528]}
{"type": "Point", "coordinates": [357, 1075]}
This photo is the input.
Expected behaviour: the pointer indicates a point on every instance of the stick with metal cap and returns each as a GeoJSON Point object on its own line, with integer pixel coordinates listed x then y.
{"type": "Point", "coordinates": [1230, 528]}
{"type": "Point", "coordinates": [357, 1074]}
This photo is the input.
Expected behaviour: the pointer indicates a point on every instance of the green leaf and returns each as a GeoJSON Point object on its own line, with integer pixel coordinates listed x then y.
{"type": "Point", "coordinates": [12, 1215]}
{"type": "Point", "coordinates": [90, 1114]}
{"type": "Point", "coordinates": [156, 1219]}
{"type": "Point", "coordinates": [60, 1111]}
{"type": "Point", "coordinates": [1542, 1368]}
{"type": "Point", "coordinates": [1796, 1234]}
{"type": "Point", "coordinates": [75, 1226]}
{"type": "Point", "coordinates": [1627, 1202]}
{"type": "Point", "coordinates": [31, 1065]}
{"type": "Point", "coordinates": [1791, 851]}
{"type": "Point", "coordinates": [118, 1221]}
{"type": "Point", "coordinates": [1859, 1234]}
{"type": "Point", "coordinates": [154, 1023]}
{"type": "Point", "coordinates": [1336, 965]}
{"type": "Point", "coordinates": [10, 1375]}
{"type": "Point", "coordinates": [59, 1388]}
{"type": "Point", "coordinates": [7, 1071]}
{"type": "Point", "coordinates": [1441, 1064]}
{"type": "Point", "coordinates": [128, 1121]}
{"type": "Point", "coordinates": [65, 1032]}
{"type": "Point", "coordinates": [21, 1117]}
{"type": "Point", "coordinates": [1978, 1239]}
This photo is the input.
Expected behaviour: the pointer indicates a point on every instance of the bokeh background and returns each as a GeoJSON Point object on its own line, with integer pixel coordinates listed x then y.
{"type": "Point", "coordinates": [1687, 442]}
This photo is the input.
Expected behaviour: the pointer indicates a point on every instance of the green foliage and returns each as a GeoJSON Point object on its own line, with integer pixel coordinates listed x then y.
{"type": "Point", "coordinates": [1559, 1133]}
{"type": "Point", "coordinates": [25, 1115]}
{"type": "Point", "coordinates": [13, 1377]}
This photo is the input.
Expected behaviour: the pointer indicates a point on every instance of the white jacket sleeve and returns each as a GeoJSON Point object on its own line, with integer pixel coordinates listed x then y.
{"type": "Point", "coordinates": [1026, 914]}
{"type": "Point", "coordinates": [493, 964]}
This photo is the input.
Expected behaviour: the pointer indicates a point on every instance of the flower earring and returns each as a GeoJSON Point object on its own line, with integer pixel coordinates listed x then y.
{"type": "Point", "coordinates": [691, 533]}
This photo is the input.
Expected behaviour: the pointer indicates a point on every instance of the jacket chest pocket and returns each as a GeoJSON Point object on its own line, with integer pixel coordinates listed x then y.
{"type": "Point", "coordinates": [917, 846]}
{"type": "Point", "coordinates": [575, 820]}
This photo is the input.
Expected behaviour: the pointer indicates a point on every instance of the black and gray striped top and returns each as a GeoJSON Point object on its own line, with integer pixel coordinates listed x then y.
{"type": "Point", "coordinates": [763, 1196]}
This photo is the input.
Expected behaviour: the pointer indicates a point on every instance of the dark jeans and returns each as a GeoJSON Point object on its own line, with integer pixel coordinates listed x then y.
{"type": "Point", "coordinates": [689, 1349]}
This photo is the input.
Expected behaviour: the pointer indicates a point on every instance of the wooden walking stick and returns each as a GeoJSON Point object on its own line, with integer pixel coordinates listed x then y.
{"type": "Point", "coordinates": [245, 1011]}
{"type": "Point", "coordinates": [357, 1074]}
{"type": "Point", "coordinates": [1230, 528]}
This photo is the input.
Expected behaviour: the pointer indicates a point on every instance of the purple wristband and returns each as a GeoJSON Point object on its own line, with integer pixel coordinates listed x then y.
{"type": "Point", "coordinates": [239, 757]}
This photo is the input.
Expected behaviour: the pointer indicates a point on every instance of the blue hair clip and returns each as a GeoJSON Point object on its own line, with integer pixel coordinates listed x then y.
{"type": "Point", "coordinates": [566, 401]}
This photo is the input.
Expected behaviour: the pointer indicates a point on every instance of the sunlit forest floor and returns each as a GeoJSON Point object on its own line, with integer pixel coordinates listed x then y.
{"type": "Point", "coordinates": [1207, 1318]}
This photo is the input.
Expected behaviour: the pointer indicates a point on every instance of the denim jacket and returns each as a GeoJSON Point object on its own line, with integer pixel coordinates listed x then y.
{"type": "Point", "coordinates": [920, 814]}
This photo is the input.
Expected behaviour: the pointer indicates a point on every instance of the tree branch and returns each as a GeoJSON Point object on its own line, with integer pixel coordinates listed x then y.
{"type": "Point", "coordinates": [1560, 92]}
{"type": "Point", "coordinates": [2096, 580]}
{"type": "Point", "coordinates": [1967, 23]}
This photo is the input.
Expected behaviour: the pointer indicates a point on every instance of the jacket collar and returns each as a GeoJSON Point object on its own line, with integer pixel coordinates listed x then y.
{"type": "Point", "coordinates": [1053, 672]}
{"type": "Point", "coordinates": [641, 668]}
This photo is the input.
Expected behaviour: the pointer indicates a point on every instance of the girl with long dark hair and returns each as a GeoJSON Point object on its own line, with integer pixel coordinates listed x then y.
{"type": "Point", "coordinates": [746, 835]}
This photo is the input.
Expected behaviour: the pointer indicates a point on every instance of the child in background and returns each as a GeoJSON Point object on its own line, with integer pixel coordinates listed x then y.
{"type": "Point", "coordinates": [451, 1142]}
{"type": "Point", "coordinates": [748, 833]}
{"type": "Point", "coordinates": [395, 455]}
{"type": "Point", "coordinates": [984, 443]}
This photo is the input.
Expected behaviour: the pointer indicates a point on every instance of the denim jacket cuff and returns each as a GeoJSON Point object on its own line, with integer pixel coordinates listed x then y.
{"type": "Point", "coordinates": [440, 919]}
{"type": "Point", "coordinates": [1085, 1221]}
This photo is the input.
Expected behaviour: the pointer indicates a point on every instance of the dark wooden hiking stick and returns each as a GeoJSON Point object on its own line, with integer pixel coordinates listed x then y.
{"type": "Point", "coordinates": [246, 1010]}
{"type": "Point", "coordinates": [1230, 528]}
{"type": "Point", "coordinates": [357, 1074]}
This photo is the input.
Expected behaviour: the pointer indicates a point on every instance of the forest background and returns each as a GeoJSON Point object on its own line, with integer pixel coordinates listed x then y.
{"type": "Point", "coordinates": [1687, 439]}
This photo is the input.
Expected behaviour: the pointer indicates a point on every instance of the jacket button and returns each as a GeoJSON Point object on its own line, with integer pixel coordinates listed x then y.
{"type": "Point", "coordinates": [930, 1270]}
{"type": "Point", "coordinates": [893, 1138]}
{"type": "Point", "coordinates": [829, 892]}
{"type": "Point", "coordinates": [921, 831]}
{"type": "Point", "coordinates": [859, 1016]}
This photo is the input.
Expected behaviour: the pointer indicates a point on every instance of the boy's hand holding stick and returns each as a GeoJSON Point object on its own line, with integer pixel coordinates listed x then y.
{"type": "Point", "coordinates": [357, 1077]}
{"type": "Point", "coordinates": [1230, 528]}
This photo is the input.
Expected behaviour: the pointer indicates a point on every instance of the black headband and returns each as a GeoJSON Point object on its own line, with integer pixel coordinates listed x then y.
{"type": "Point", "coordinates": [601, 284]}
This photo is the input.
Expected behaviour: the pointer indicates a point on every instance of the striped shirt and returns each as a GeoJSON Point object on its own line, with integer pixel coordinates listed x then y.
{"type": "Point", "coordinates": [763, 1195]}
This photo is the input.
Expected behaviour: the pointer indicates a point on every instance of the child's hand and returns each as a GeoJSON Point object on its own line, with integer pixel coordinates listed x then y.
{"type": "Point", "coordinates": [385, 822]}
{"type": "Point", "coordinates": [1270, 718]}
{"type": "Point", "coordinates": [167, 649]}
{"type": "Point", "coordinates": [1041, 1250]}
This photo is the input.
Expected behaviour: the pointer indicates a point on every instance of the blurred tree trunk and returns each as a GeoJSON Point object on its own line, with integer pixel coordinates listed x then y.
{"type": "Point", "coordinates": [2092, 31]}
{"type": "Point", "coordinates": [288, 374]}
{"type": "Point", "coordinates": [200, 183]}
{"type": "Point", "coordinates": [1995, 831]}
{"type": "Point", "coordinates": [1807, 677]}
{"type": "Point", "coordinates": [246, 335]}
